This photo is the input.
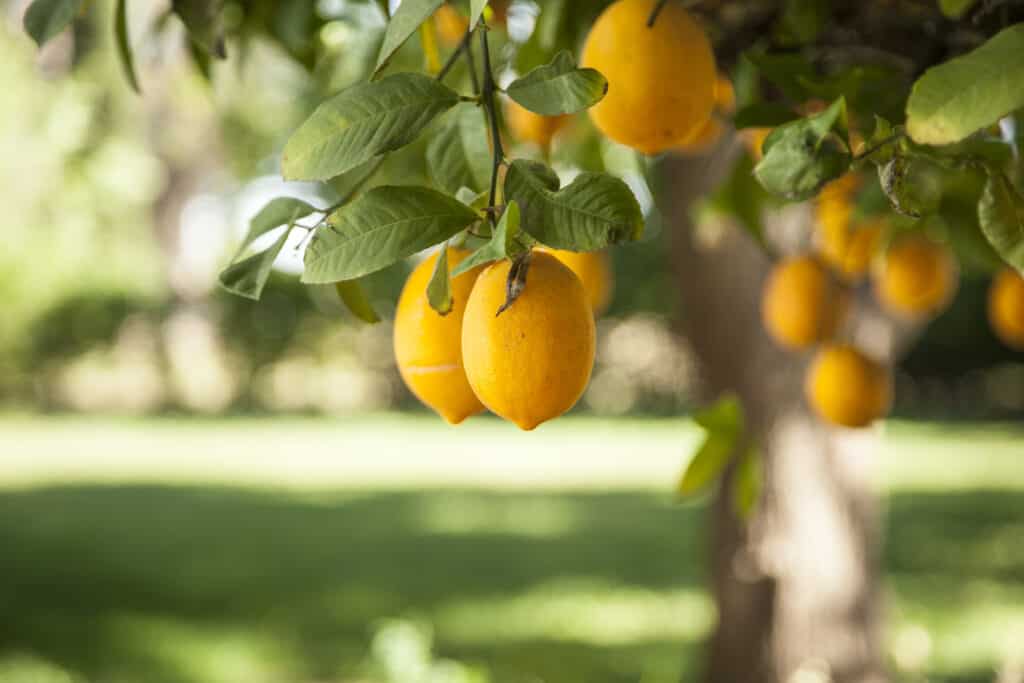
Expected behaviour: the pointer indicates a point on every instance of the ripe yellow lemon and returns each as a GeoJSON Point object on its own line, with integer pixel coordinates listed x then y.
{"type": "Point", "coordinates": [917, 277]}
{"type": "Point", "coordinates": [848, 249]}
{"type": "Point", "coordinates": [802, 304]}
{"type": "Point", "coordinates": [532, 362]}
{"type": "Point", "coordinates": [594, 269]}
{"type": "Point", "coordinates": [528, 126]}
{"type": "Point", "coordinates": [1006, 308]}
{"type": "Point", "coordinates": [711, 132]}
{"type": "Point", "coordinates": [661, 80]}
{"type": "Point", "coordinates": [846, 388]}
{"type": "Point", "coordinates": [428, 346]}
{"type": "Point", "coordinates": [451, 24]}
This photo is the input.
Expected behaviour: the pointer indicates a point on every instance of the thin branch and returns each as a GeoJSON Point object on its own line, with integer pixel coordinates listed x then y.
{"type": "Point", "coordinates": [354, 189]}
{"type": "Point", "coordinates": [655, 12]}
{"type": "Point", "coordinates": [454, 56]}
{"type": "Point", "coordinates": [874, 148]}
{"type": "Point", "coordinates": [487, 97]}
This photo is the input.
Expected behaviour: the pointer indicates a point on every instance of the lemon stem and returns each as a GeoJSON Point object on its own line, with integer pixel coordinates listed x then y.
{"type": "Point", "coordinates": [487, 97]}
{"type": "Point", "coordinates": [655, 12]}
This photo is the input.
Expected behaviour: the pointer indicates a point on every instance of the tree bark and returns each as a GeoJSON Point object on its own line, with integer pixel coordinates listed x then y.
{"type": "Point", "coordinates": [797, 589]}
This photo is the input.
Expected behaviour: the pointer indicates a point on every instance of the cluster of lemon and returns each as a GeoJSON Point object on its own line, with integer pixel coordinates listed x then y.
{"type": "Point", "coordinates": [806, 301]}
{"type": "Point", "coordinates": [528, 364]}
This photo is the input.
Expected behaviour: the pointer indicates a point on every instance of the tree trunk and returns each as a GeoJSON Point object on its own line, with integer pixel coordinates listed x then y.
{"type": "Point", "coordinates": [797, 589]}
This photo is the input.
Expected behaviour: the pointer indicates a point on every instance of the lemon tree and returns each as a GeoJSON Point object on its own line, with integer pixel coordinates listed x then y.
{"type": "Point", "coordinates": [904, 152]}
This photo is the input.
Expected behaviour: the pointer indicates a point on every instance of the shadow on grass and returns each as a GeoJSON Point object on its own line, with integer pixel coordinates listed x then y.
{"type": "Point", "coordinates": [104, 580]}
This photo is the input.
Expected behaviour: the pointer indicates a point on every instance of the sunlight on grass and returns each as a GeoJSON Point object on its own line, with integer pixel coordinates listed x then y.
{"type": "Point", "coordinates": [580, 610]}
{"type": "Point", "coordinates": [945, 626]}
{"type": "Point", "coordinates": [459, 514]}
{"type": "Point", "coordinates": [217, 551]}
{"type": "Point", "coordinates": [204, 653]}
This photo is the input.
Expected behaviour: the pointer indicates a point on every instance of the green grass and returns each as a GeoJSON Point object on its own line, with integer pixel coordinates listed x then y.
{"type": "Point", "coordinates": [249, 550]}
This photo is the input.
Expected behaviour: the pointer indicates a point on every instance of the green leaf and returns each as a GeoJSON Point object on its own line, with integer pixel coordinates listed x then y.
{"type": "Point", "coordinates": [880, 142]}
{"type": "Point", "coordinates": [384, 225]}
{"type": "Point", "coordinates": [956, 98]}
{"type": "Point", "coordinates": [559, 87]}
{"type": "Point", "coordinates": [202, 19]}
{"type": "Point", "coordinates": [789, 72]}
{"type": "Point", "coordinates": [1001, 214]}
{"type": "Point", "coordinates": [277, 212]}
{"type": "Point", "coordinates": [803, 155]}
{"type": "Point", "coordinates": [592, 212]}
{"type": "Point", "coordinates": [354, 297]}
{"type": "Point", "coordinates": [248, 276]}
{"type": "Point", "coordinates": [457, 155]}
{"type": "Point", "coordinates": [124, 47]}
{"type": "Point", "coordinates": [747, 483]}
{"type": "Point", "coordinates": [802, 20]}
{"type": "Point", "coordinates": [363, 122]}
{"type": "Point", "coordinates": [476, 8]}
{"type": "Point", "coordinates": [502, 244]}
{"type": "Point", "coordinates": [954, 9]}
{"type": "Point", "coordinates": [406, 21]}
{"type": "Point", "coordinates": [722, 423]}
{"type": "Point", "coordinates": [911, 184]}
{"type": "Point", "coordinates": [46, 18]}
{"type": "Point", "coordinates": [439, 289]}
{"type": "Point", "coordinates": [763, 115]}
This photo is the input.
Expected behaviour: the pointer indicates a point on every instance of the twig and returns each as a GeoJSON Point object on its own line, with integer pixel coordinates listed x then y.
{"type": "Point", "coordinates": [487, 97]}
{"type": "Point", "coordinates": [355, 188]}
{"type": "Point", "coordinates": [879, 145]}
{"type": "Point", "coordinates": [454, 56]}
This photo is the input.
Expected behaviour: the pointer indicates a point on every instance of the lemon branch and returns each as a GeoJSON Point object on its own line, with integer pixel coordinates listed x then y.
{"type": "Point", "coordinates": [487, 97]}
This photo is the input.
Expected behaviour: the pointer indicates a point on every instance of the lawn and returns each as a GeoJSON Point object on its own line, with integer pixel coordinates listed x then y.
{"type": "Point", "coordinates": [249, 551]}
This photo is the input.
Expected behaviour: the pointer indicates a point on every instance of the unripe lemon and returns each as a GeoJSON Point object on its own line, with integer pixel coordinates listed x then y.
{"type": "Point", "coordinates": [917, 277]}
{"type": "Point", "coordinates": [451, 24]}
{"type": "Point", "coordinates": [1006, 308]}
{"type": "Point", "coordinates": [846, 388]}
{"type": "Point", "coordinates": [428, 346]}
{"type": "Point", "coordinates": [594, 269]}
{"type": "Point", "coordinates": [661, 80]}
{"type": "Point", "coordinates": [528, 126]}
{"type": "Point", "coordinates": [802, 304]}
{"type": "Point", "coordinates": [531, 362]}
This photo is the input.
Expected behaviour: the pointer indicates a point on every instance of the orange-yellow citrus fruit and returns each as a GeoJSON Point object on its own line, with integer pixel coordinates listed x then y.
{"type": "Point", "coordinates": [532, 362]}
{"type": "Point", "coordinates": [846, 388]}
{"type": "Point", "coordinates": [451, 24]}
{"type": "Point", "coordinates": [725, 95]}
{"type": "Point", "coordinates": [711, 132]}
{"type": "Point", "coordinates": [594, 269]}
{"type": "Point", "coordinates": [802, 304]}
{"type": "Point", "coordinates": [428, 346]}
{"type": "Point", "coordinates": [528, 126]}
{"type": "Point", "coordinates": [661, 79]}
{"type": "Point", "coordinates": [1006, 308]}
{"type": "Point", "coordinates": [917, 277]}
{"type": "Point", "coordinates": [753, 139]}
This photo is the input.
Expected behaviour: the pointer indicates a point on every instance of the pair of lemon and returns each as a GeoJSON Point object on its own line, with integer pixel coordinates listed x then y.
{"type": "Point", "coordinates": [803, 305]}
{"type": "Point", "coordinates": [529, 363]}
